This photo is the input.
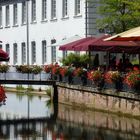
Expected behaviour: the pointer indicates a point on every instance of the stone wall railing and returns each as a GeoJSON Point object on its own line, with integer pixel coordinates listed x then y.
{"type": "Point", "coordinates": [106, 100]}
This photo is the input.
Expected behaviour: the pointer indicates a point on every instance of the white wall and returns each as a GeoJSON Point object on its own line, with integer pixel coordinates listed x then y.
{"type": "Point", "coordinates": [58, 29]}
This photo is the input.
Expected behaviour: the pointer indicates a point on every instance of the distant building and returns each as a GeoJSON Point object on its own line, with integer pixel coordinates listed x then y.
{"type": "Point", "coordinates": [49, 22]}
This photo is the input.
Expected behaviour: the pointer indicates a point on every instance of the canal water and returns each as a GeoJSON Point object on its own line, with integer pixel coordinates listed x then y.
{"type": "Point", "coordinates": [37, 118]}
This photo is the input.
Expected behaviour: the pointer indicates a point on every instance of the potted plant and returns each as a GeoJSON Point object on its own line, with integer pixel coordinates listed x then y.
{"type": "Point", "coordinates": [23, 69]}
{"type": "Point", "coordinates": [48, 68]}
{"type": "Point", "coordinates": [4, 68]}
{"type": "Point", "coordinates": [114, 77]}
{"type": "Point", "coordinates": [36, 69]}
{"type": "Point", "coordinates": [132, 79]}
{"type": "Point", "coordinates": [97, 77]}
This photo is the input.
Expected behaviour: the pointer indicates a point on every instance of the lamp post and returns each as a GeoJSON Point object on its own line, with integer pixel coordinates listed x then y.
{"type": "Point", "coordinates": [27, 32]}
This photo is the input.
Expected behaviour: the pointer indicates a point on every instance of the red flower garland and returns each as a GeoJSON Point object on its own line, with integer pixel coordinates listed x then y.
{"type": "Point", "coordinates": [2, 94]}
{"type": "Point", "coordinates": [132, 78]}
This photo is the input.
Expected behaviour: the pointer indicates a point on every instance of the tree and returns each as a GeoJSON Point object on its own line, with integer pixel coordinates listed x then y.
{"type": "Point", "coordinates": [76, 59]}
{"type": "Point", "coordinates": [118, 15]}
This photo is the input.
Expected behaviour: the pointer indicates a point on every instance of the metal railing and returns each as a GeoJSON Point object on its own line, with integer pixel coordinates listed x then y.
{"type": "Point", "coordinates": [24, 76]}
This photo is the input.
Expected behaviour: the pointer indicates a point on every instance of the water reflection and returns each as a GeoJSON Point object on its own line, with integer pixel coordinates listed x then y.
{"type": "Point", "coordinates": [36, 118]}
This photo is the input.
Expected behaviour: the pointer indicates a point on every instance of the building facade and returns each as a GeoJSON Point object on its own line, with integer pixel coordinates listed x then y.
{"type": "Point", "coordinates": [29, 28]}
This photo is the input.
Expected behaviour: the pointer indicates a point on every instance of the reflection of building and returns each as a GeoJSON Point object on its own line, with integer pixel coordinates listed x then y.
{"type": "Point", "coordinates": [50, 21]}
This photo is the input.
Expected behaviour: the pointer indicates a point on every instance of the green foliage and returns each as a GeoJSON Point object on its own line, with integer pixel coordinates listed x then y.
{"type": "Point", "coordinates": [30, 88]}
{"type": "Point", "coordinates": [119, 15]}
{"type": "Point", "coordinates": [36, 69]}
{"type": "Point", "coordinates": [76, 60]}
{"type": "Point", "coordinates": [20, 87]}
{"type": "Point", "coordinates": [84, 59]}
{"type": "Point", "coordinates": [29, 69]}
{"type": "Point", "coordinates": [48, 92]}
{"type": "Point", "coordinates": [4, 68]}
{"type": "Point", "coordinates": [24, 69]}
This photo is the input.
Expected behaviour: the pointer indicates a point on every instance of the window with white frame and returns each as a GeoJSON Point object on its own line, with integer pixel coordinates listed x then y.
{"type": "Point", "coordinates": [1, 16]}
{"type": "Point", "coordinates": [23, 53]}
{"type": "Point", "coordinates": [7, 22]}
{"type": "Point", "coordinates": [44, 52]}
{"type": "Point", "coordinates": [53, 50]}
{"type": "Point", "coordinates": [33, 44]}
{"type": "Point", "coordinates": [33, 10]}
{"type": "Point", "coordinates": [65, 8]}
{"type": "Point", "coordinates": [15, 57]}
{"type": "Point", "coordinates": [77, 7]}
{"type": "Point", "coordinates": [7, 48]}
{"type": "Point", "coordinates": [44, 10]}
{"type": "Point", "coordinates": [15, 14]}
{"type": "Point", "coordinates": [53, 9]}
{"type": "Point", "coordinates": [24, 12]}
{"type": "Point", "coordinates": [64, 54]}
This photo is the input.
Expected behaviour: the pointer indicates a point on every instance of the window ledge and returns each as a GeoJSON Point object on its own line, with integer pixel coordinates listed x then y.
{"type": "Point", "coordinates": [23, 24]}
{"type": "Point", "coordinates": [8, 26]}
{"type": "Point", "coordinates": [54, 19]}
{"type": "Point", "coordinates": [44, 21]}
{"type": "Point", "coordinates": [77, 16]}
{"type": "Point", "coordinates": [1, 27]}
{"type": "Point", "coordinates": [15, 25]}
{"type": "Point", "coordinates": [34, 22]}
{"type": "Point", "coordinates": [65, 18]}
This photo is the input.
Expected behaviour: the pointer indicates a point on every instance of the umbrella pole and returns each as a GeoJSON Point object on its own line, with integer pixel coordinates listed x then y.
{"type": "Point", "coordinates": [107, 61]}
{"type": "Point", "coordinates": [139, 60]}
{"type": "Point", "coordinates": [89, 54]}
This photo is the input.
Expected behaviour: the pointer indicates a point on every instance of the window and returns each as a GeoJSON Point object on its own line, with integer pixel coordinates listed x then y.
{"type": "Point", "coordinates": [53, 50]}
{"type": "Point", "coordinates": [7, 16]}
{"type": "Point", "coordinates": [77, 7]}
{"type": "Point", "coordinates": [15, 54]}
{"type": "Point", "coordinates": [1, 16]}
{"type": "Point", "coordinates": [33, 44]}
{"type": "Point", "coordinates": [64, 54]}
{"type": "Point", "coordinates": [33, 10]}
{"type": "Point", "coordinates": [44, 10]}
{"type": "Point", "coordinates": [0, 46]}
{"type": "Point", "coordinates": [65, 8]}
{"type": "Point", "coordinates": [15, 14]}
{"type": "Point", "coordinates": [24, 12]}
{"type": "Point", "coordinates": [53, 9]}
{"type": "Point", "coordinates": [23, 53]}
{"type": "Point", "coordinates": [44, 52]}
{"type": "Point", "coordinates": [8, 48]}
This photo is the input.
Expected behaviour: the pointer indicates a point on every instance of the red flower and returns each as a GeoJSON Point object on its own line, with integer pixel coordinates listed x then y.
{"type": "Point", "coordinates": [94, 75]}
{"type": "Point", "coordinates": [63, 71]}
{"type": "Point", "coordinates": [2, 94]}
{"type": "Point", "coordinates": [48, 68]}
{"type": "Point", "coordinates": [78, 71]}
{"type": "Point", "coordinates": [55, 69]}
{"type": "Point", "coordinates": [112, 76]}
{"type": "Point", "coordinates": [132, 78]}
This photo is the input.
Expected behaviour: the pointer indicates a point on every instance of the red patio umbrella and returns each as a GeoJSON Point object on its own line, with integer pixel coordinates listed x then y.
{"type": "Point", "coordinates": [72, 45]}
{"type": "Point", "coordinates": [129, 35]}
{"type": "Point", "coordinates": [4, 56]}
{"type": "Point", "coordinates": [99, 44]}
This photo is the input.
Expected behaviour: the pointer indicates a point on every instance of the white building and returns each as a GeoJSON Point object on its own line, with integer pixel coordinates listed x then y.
{"type": "Point", "coordinates": [49, 21]}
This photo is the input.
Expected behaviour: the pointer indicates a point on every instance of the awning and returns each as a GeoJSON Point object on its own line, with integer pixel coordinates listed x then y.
{"type": "Point", "coordinates": [4, 56]}
{"type": "Point", "coordinates": [79, 43]}
{"type": "Point", "coordinates": [130, 35]}
{"type": "Point", "coordinates": [67, 40]}
{"type": "Point", "coordinates": [98, 44]}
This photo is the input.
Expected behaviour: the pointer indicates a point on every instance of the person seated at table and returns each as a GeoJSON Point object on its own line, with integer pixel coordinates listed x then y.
{"type": "Point", "coordinates": [112, 65]}
{"type": "Point", "coordinates": [120, 66]}
{"type": "Point", "coordinates": [128, 65]}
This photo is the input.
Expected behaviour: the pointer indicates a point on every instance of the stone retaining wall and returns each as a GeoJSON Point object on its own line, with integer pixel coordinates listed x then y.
{"type": "Point", "coordinates": [107, 100]}
{"type": "Point", "coordinates": [125, 127]}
